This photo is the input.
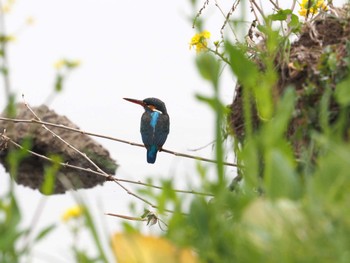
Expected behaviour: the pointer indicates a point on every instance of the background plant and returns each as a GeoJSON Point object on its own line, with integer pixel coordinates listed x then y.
{"type": "Point", "coordinates": [289, 205]}
{"type": "Point", "coordinates": [291, 201]}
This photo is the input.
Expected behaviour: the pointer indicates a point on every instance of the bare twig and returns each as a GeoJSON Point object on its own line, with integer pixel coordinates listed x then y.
{"type": "Point", "coordinates": [258, 8]}
{"type": "Point", "coordinates": [200, 13]}
{"type": "Point", "coordinates": [95, 165]}
{"type": "Point", "coordinates": [36, 121]}
{"type": "Point", "coordinates": [221, 56]}
{"type": "Point", "coordinates": [255, 14]}
{"type": "Point", "coordinates": [196, 157]}
{"type": "Point", "coordinates": [109, 178]}
{"type": "Point", "coordinates": [227, 17]}
{"type": "Point", "coordinates": [202, 147]}
{"type": "Point", "coordinates": [275, 5]}
{"type": "Point", "coordinates": [132, 218]}
{"type": "Point", "coordinates": [293, 5]}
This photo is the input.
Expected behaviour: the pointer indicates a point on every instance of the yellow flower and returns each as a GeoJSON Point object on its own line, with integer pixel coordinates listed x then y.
{"type": "Point", "coordinates": [73, 63]}
{"type": "Point", "coordinates": [7, 6]}
{"type": "Point", "coordinates": [199, 41]}
{"type": "Point", "coordinates": [59, 64]}
{"type": "Point", "coordinates": [7, 38]}
{"type": "Point", "coordinates": [312, 8]}
{"type": "Point", "coordinates": [30, 20]}
{"type": "Point", "coordinates": [134, 247]}
{"type": "Point", "coordinates": [73, 212]}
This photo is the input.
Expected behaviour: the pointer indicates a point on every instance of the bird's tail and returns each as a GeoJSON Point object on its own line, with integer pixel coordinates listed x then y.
{"type": "Point", "coordinates": [152, 154]}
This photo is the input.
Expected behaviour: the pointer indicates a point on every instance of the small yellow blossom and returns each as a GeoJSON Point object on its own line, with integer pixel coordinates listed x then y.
{"type": "Point", "coordinates": [7, 38]}
{"type": "Point", "coordinates": [30, 20]}
{"type": "Point", "coordinates": [73, 212]}
{"type": "Point", "coordinates": [59, 64]}
{"type": "Point", "coordinates": [199, 41]}
{"type": "Point", "coordinates": [73, 63]}
{"type": "Point", "coordinates": [312, 8]}
{"type": "Point", "coordinates": [7, 6]}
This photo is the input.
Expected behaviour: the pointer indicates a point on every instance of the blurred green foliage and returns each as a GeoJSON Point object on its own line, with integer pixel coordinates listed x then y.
{"type": "Point", "coordinates": [16, 241]}
{"type": "Point", "coordinates": [285, 208]}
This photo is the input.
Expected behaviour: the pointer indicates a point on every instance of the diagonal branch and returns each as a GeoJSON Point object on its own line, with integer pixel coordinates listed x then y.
{"type": "Point", "coordinates": [109, 178]}
{"type": "Point", "coordinates": [40, 122]}
{"type": "Point", "coordinates": [95, 165]}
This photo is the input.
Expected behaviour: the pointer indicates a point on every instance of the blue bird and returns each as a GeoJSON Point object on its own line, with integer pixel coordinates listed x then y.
{"type": "Point", "coordinates": [155, 123]}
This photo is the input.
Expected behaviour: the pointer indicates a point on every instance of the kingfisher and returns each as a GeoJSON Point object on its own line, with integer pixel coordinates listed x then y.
{"type": "Point", "coordinates": [155, 123]}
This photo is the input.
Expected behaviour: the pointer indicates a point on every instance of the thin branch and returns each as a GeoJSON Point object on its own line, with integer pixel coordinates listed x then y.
{"type": "Point", "coordinates": [275, 5]}
{"type": "Point", "coordinates": [64, 141]}
{"type": "Point", "coordinates": [90, 161]}
{"type": "Point", "coordinates": [258, 8]}
{"type": "Point", "coordinates": [36, 121]}
{"type": "Point", "coordinates": [206, 3]}
{"type": "Point", "coordinates": [255, 14]}
{"type": "Point", "coordinates": [293, 5]}
{"type": "Point", "coordinates": [227, 17]}
{"type": "Point", "coordinates": [109, 178]}
{"type": "Point", "coordinates": [197, 157]}
{"type": "Point", "coordinates": [202, 147]}
{"type": "Point", "coordinates": [289, 17]}
{"type": "Point", "coordinates": [132, 218]}
{"type": "Point", "coordinates": [219, 55]}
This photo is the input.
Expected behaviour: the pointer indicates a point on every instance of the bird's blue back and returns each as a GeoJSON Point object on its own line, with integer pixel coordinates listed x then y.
{"type": "Point", "coordinates": [154, 131]}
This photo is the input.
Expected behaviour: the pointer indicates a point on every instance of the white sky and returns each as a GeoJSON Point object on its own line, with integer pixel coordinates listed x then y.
{"type": "Point", "coordinates": [133, 49]}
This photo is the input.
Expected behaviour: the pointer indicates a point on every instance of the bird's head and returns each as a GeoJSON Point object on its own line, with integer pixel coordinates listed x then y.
{"type": "Point", "coordinates": [150, 104]}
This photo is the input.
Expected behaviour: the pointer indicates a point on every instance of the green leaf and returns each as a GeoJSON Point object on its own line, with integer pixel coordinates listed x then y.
{"type": "Point", "coordinates": [274, 130]}
{"type": "Point", "coordinates": [59, 83]}
{"type": "Point", "coordinates": [281, 15]}
{"type": "Point", "coordinates": [251, 168]}
{"type": "Point", "coordinates": [11, 107]}
{"type": "Point", "coordinates": [332, 61]}
{"type": "Point", "coordinates": [332, 181]}
{"type": "Point", "coordinates": [48, 185]}
{"type": "Point", "coordinates": [209, 67]}
{"type": "Point", "coordinates": [44, 232]}
{"type": "Point", "coordinates": [342, 92]}
{"type": "Point", "coordinates": [208, 100]}
{"type": "Point", "coordinates": [263, 95]}
{"type": "Point", "coordinates": [50, 172]}
{"type": "Point", "coordinates": [213, 103]}
{"type": "Point", "coordinates": [4, 71]}
{"type": "Point", "coordinates": [294, 23]}
{"type": "Point", "coordinates": [10, 220]}
{"type": "Point", "coordinates": [280, 177]}
{"type": "Point", "coordinates": [15, 156]}
{"type": "Point", "coordinates": [245, 70]}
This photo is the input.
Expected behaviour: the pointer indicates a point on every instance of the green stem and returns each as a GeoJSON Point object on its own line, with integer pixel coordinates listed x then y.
{"type": "Point", "coordinates": [221, 56]}
{"type": "Point", "coordinates": [4, 62]}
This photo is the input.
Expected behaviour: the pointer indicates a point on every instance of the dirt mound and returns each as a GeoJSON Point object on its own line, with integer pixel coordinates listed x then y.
{"type": "Point", "coordinates": [316, 60]}
{"type": "Point", "coordinates": [31, 169]}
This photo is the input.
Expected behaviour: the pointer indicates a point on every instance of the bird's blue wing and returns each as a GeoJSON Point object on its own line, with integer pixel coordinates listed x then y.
{"type": "Point", "coordinates": [161, 130]}
{"type": "Point", "coordinates": [146, 130]}
{"type": "Point", "coordinates": [154, 129]}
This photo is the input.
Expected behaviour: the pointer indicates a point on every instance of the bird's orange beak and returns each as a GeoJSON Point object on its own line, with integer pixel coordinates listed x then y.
{"type": "Point", "coordinates": [140, 102]}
